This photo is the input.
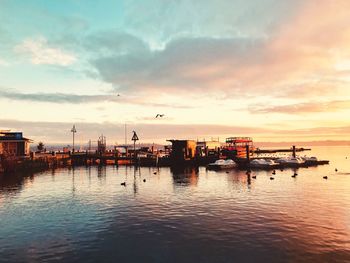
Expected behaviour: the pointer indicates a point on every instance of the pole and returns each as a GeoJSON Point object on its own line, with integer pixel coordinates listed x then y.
{"type": "Point", "coordinates": [73, 130]}
{"type": "Point", "coordinates": [135, 150]}
{"type": "Point", "coordinates": [294, 151]}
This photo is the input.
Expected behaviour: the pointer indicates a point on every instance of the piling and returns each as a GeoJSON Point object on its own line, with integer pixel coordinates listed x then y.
{"type": "Point", "coordinates": [247, 152]}
{"type": "Point", "coordinates": [294, 151]}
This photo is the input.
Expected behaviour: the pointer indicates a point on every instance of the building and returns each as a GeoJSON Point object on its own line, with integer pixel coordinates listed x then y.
{"type": "Point", "coordinates": [13, 144]}
{"type": "Point", "coordinates": [208, 148]}
{"type": "Point", "coordinates": [238, 147]}
{"type": "Point", "coordinates": [183, 150]}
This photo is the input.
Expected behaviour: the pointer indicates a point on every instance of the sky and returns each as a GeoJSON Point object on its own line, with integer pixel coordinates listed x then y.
{"type": "Point", "coordinates": [276, 70]}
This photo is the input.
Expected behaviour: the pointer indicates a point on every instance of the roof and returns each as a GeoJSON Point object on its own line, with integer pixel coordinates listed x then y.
{"type": "Point", "coordinates": [13, 136]}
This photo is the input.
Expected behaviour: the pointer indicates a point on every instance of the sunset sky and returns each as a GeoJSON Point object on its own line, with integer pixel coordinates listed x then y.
{"type": "Point", "coordinates": [276, 70]}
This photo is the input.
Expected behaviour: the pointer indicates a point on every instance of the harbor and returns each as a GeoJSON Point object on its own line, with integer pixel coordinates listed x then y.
{"type": "Point", "coordinates": [15, 154]}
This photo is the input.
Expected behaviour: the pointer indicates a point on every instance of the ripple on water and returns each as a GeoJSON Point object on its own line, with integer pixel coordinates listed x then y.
{"type": "Point", "coordinates": [86, 215]}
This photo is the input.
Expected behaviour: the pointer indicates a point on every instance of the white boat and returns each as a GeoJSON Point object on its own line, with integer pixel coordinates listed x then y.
{"type": "Point", "coordinates": [290, 160]}
{"type": "Point", "coordinates": [262, 163]}
{"type": "Point", "coordinates": [222, 164]}
{"type": "Point", "coordinates": [310, 159]}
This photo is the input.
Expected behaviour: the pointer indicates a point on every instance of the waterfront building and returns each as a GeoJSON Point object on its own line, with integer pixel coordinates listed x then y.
{"type": "Point", "coordinates": [14, 144]}
{"type": "Point", "coordinates": [183, 150]}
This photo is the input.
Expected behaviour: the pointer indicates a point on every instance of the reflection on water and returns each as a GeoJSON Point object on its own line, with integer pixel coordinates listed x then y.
{"type": "Point", "coordinates": [178, 215]}
{"type": "Point", "coordinates": [185, 175]}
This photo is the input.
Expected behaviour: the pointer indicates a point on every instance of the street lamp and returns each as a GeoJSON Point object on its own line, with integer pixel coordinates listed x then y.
{"type": "Point", "coordinates": [73, 130]}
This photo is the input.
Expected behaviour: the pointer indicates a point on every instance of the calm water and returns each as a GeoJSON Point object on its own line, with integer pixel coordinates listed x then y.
{"type": "Point", "coordinates": [178, 216]}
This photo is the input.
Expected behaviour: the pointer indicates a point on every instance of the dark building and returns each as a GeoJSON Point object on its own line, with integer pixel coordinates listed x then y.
{"type": "Point", "coordinates": [13, 144]}
{"type": "Point", "coordinates": [183, 150]}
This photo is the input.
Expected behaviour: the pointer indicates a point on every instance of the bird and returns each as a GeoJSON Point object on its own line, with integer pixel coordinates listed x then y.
{"type": "Point", "coordinates": [336, 170]}
{"type": "Point", "coordinates": [254, 176]}
{"type": "Point", "coordinates": [160, 115]}
{"type": "Point", "coordinates": [123, 184]}
{"type": "Point", "coordinates": [155, 173]}
{"type": "Point", "coordinates": [274, 172]}
{"type": "Point", "coordinates": [295, 174]}
{"type": "Point", "coordinates": [271, 178]}
{"type": "Point", "coordinates": [325, 177]}
{"type": "Point", "coordinates": [144, 180]}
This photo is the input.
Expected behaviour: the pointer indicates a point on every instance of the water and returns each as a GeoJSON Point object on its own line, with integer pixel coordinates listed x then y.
{"type": "Point", "coordinates": [178, 216]}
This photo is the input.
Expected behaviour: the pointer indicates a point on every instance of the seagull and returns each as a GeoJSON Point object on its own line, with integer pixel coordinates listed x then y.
{"type": "Point", "coordinates": [159, 115]}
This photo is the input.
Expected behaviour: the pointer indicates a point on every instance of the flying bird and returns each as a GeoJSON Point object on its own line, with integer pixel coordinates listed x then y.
{"type": "Point", "coordinates": [159, 115]}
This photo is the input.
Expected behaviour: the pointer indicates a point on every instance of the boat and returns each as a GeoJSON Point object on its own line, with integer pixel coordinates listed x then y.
{"type": "Point", "coordinates": [222, 164]}
{"type": "Point", "coordinates": [263, 163]}
{"type": "Point", "coordinates": [290, 161]}
{"type": "Point", "coordinates": [310, 159]}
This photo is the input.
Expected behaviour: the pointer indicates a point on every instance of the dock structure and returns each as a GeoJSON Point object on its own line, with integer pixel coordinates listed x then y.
{"type": "Point", "coordinates": [15, 155]}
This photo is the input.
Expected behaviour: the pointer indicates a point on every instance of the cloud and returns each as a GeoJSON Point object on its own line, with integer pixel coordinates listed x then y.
{"type": "Point", "coordinates": [302, 108]}
{"type": "Point", "coordinates": [40, 52]}
{"type": "Point", "coordinates": [295, 56]}
{"type": "Point", "coordinates": [75, 98]}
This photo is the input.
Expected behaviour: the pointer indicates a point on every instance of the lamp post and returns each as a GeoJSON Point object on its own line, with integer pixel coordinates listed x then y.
{"type": "Point", "coordinates": [73, 130]}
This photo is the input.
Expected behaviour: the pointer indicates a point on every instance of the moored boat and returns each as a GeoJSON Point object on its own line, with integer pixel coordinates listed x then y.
{"type": "Point", "coordinates": [222, 164]}
{"type": "Point", "coordinates": [290, 161]}
{"type": "Point", "coordinates": [263, 163]}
